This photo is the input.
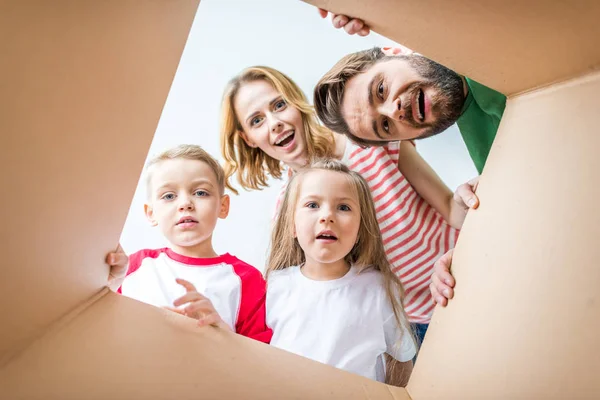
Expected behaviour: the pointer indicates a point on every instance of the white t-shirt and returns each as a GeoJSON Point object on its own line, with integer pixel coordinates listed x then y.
{"type": "Point", "coordinates": [347, 322]}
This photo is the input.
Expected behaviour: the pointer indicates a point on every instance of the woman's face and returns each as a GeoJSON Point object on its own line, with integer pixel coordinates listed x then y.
{"type": "Point", "coordinates": [271, 124]}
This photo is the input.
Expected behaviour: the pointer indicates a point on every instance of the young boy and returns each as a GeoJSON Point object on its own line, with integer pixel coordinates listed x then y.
{"type": "Point", "coordinates": [186, 197]}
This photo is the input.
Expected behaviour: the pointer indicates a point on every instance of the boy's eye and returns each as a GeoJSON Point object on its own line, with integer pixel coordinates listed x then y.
{"type": "Point", "coordinates": [312, 204]}
{"type": "Point", "coordinates": [279, 104]}
{"type": "Point", "coordinates": [168, 196]}
{"type": "Point", "coordinates": [200, 193]}
{"type": "Point", "coordinates": [344, 207]}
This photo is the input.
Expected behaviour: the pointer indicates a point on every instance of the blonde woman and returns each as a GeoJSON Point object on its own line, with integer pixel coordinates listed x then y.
{"type": "Point", "coordinates": [268, 129]}
{"type": "Point", "coordinates": [331, 293]}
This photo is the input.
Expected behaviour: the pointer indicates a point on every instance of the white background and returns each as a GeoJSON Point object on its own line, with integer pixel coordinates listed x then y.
{"type": "Point", "coordinates": [227, 36]}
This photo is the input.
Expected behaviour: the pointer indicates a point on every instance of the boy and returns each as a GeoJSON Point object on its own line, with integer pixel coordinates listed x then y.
{"type": "Point", "coordinates": [186, 197]}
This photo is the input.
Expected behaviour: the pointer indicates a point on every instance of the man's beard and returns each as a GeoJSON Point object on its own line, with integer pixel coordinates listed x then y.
{"type": "Point", "coordinates": [447, 103]}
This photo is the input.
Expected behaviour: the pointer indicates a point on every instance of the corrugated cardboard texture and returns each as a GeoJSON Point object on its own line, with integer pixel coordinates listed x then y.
{"type": "Point", "coordinates": [525, 320]}
{"type": "Point", "coordinates": [83, 86]}
{"type": "Point", "coordinates": [119, 348]}
{"type": "Point", "coordinates": [510, 45]}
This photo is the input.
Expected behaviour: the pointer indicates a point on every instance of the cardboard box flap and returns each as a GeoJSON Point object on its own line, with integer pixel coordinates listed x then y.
{"type": "Point", "coordinates": [511, 46]}
{"type": "Point", "coordinates": [83, 86]}
{"type": "Point", "coordinates": [524, 322]}
{"type": "Point", "coordinates": [119, 348]}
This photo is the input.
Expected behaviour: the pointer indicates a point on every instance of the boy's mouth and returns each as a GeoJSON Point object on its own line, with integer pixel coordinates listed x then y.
{"type": "Point", "coordinates": [186, 220]}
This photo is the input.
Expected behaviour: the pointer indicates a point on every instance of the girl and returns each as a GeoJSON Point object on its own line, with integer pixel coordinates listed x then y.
{"type": "Point", "coordinates": [331, 292]}
{"type": "Point", "coordinates": [268, 128]}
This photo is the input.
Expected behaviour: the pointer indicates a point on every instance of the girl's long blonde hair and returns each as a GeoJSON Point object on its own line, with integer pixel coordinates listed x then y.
{"type": "Point", "coordinates": [252, 165]}
{"type": "Point", "coordinates": [368, 252]}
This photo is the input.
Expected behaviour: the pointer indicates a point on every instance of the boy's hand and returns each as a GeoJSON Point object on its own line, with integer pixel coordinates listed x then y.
{"type": "Point", "coordinates": [463, 200]}
{"type": "Point", "coordinates": [198, 307]}
{"type": "Point", "coordinates": [350, 25]}
{"type": "Point", "coordinates": [118, 262]}
{"type": "Point", "coordinates": [442, 282]}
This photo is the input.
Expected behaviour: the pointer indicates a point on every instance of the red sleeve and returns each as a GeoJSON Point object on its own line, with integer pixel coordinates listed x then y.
{"type": "Point", "coordinates": [135, 260]}
{"type": "Point", "coordinates": [251, 320]}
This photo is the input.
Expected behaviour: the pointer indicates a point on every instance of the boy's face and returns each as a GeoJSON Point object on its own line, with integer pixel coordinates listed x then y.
{"type": "Point", "coordinates": [185, 201]}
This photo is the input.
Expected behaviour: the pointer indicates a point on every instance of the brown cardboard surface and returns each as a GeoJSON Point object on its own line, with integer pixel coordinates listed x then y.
{"type": "Point", "coordinates": [119, 348]}
{"type": "Point", "coordinates": [511, 45]}
{"type": "Point", "coordinates": [525, 319]}
{"type": "Point", "coordinates": [83, 86]}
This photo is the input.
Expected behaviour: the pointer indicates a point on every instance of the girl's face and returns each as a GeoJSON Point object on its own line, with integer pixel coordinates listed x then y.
{"type": "Point", "coordinates": [327, 217]}
{"type": "Point", "coordinates": [271, 124]}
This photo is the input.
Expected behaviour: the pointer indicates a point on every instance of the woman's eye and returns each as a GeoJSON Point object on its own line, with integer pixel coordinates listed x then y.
{"type": "Point", "coordinates": [200, 193]}
{"type": "Point", "coordinates": [255, 121]}
{"type": "Point", "coordinates": [168, 196]}
{"type": "Point", "coordinates": [385, 125]}
{"type": "Point", "coordinates": [312, 204]}
{"type": "Point", "coordinates": [280, 104]}
{"type": "Point", "coordinates": [344, 207]}
{"type": "Point", "coordinates": [380, 90]}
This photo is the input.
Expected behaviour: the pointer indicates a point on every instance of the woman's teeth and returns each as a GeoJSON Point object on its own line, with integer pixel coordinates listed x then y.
{"type": "Point", "coordinates": [286, 139]}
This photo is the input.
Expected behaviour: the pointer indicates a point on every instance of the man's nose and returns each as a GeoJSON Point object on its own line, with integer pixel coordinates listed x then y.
{"type": "Point", "coordinates": [393, 109]}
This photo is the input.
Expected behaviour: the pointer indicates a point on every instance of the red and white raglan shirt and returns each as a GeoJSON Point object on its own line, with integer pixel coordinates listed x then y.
{"type": "Point", "coordinates": [414, 234]}
{"type": "Point", "coordinates": [237, 290]}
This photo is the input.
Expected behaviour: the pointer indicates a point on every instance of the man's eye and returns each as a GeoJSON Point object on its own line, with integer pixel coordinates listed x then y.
{"type": "Point", "coordinates": [385, 125]}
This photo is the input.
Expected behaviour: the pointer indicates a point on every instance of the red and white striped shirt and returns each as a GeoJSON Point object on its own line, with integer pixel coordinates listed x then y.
{"type": "Point", "coordinates": [414, 234]}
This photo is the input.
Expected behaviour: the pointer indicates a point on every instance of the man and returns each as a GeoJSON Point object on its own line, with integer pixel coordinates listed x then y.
{"type": "Point", "coordinates": [381, 95]}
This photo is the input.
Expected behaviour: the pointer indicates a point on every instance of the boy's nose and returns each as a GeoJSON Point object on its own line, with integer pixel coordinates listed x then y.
{"type": "Point", "coordinates": [186, 204]}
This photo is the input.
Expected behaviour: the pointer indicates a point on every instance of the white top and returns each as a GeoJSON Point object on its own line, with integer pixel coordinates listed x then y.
{"type": "Point", "coordinates": [347, 322]}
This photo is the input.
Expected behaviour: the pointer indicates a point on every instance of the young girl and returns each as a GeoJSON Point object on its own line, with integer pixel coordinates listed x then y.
{"type": "Point", "coordinates": [331, 292]}
{"type": "Point", "coordinates": [268, 129]}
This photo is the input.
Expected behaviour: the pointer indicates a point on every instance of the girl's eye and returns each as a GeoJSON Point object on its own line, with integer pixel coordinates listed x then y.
{"type": "Point", "coordinates": [255, 120]}
{"type": "Point", "coordinates": [344, 207]}
{"type": "Point", "coordinates": [168, 196]}
{"type": "Point", "coordinates": [200, 193]}
{"type": "Point", "coordinates": [312, 204]}
{"type": "Point", "coordinates": [385, 125]}
{"type": "Point", "coordinates": [380, 90]}
{"type": "Point", "coordinates": [280, 104]}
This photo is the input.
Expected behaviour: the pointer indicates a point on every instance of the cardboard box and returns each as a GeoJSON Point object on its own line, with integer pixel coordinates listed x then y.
{"type": "Point", "coordinates": [84, 84]}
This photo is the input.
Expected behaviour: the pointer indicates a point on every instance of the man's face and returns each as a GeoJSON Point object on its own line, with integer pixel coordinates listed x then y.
{"type": "Point", "coordinates": [401, 98]}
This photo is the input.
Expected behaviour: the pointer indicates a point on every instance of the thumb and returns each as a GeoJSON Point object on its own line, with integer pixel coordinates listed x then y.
{"type": "Point", "coordinates": [323, 13]}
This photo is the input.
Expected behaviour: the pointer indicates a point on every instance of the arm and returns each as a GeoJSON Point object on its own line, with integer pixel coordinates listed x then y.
{"type": "Point", "coordinates": [452, 207]}
{"type": "Point", "coordinates": [397, 373]}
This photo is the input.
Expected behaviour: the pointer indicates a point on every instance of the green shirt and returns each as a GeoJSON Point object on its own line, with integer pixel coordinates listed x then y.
{"type": "Point", "coordinates": [479, 120]}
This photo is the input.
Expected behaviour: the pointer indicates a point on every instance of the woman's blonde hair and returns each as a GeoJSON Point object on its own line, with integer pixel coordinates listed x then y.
{"type": "Point", "coordinates": [252, 165]}
{"type": "Point", "coordinates": [368, 252]}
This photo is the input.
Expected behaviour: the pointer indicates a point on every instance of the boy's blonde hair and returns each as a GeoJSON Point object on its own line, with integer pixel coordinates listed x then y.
{"type": "Point", "coordinates": [368, 252]}
{"type": "Point", "coordinates": [188, 152]}
{"type": "Point", "coordinates": [252, 165]}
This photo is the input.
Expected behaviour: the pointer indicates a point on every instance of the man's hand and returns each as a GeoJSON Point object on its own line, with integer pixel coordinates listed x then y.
{"type": "Point", "coordinates": [118, 262]}
{"type": "Point", "coordinates": [350, 25]}
{"type": "Point", "coordinates": [198, 307]}
{"type": "Point", "coordinates": [442, 282]}
{"type": "Point", "coordinates": [463, 200]}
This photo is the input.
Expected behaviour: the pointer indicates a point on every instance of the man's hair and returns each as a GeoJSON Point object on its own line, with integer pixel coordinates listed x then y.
{"type": "Point", "coordinates": [329, 92]}
{"type": "Point", "coordinates": [188, 152]}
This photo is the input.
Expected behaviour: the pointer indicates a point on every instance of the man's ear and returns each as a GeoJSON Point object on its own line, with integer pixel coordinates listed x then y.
{"type": "Point", "coordinates": [247, 139]}
{"type": "Point", "coordinates": [224, 211]}
{"type": "Point", "coordinates": [150, 214]}
{"type": "Point", "coordinates": [397, 50]}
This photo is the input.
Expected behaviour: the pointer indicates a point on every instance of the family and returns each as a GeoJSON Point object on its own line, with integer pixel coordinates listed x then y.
{"type": "Point", "coordinates": [363, 230]}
